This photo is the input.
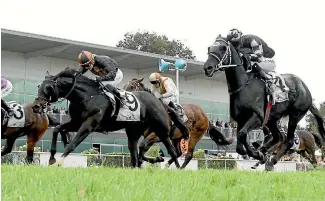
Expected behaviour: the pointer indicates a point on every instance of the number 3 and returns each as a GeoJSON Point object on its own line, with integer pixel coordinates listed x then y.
{"type": "Point", "coordinates": [20, 110]}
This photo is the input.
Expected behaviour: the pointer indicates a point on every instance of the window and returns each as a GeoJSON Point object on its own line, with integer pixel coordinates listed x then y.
{"type": "Point", "coordinates": [31, 87]}
{"type": "Point", "coordinates": [15, 97]}
{"type": "Point", "coordinates": [18, 85]}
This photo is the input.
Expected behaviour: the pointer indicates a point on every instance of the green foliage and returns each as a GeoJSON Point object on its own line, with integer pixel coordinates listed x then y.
{"type": "Point", "coordinates": [311, 123]}
{"type": "Point", "coordinates": [24, 148]}
{"type": "Point", "coordinates": [154, 43]}
{"type": "Point", "coordinates": [199, 154]}
{"type": "Point", "coordinates": [153, 151]}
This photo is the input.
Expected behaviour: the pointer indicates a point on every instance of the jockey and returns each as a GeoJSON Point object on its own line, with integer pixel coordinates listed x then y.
{"type": "Point", "coordinates": [106, 69]}
{"type": "Point", "coordinates": [6, 88]}
{"type": "Point", "coordinates": [262, 58]}
{"type": "Point", "coordinates": [165, 89]}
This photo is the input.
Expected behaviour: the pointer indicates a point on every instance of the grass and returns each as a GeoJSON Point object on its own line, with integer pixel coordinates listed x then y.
{"type": "Point", "coordinates": [69, 184]}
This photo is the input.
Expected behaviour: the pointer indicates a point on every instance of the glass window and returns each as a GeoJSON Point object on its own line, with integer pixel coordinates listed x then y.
{"type": "Point", "coordinates": [18, 85]}
{"type": "Point", "coordinates": [31, 87]}
{"type": "Point", "coordinates": [29, 99]}
{"type": "Point", "coordinates": [15, 97]}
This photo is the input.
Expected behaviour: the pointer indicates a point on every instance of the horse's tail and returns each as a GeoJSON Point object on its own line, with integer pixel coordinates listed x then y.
{"type": "Point", "coordinates": [52, 120]}
{"type": "Point", "coordinates": [318, 140]}
{"type": "Point", "coordinates": [217, 136]}
{"type": "Point", "coordinates": [319, 120]}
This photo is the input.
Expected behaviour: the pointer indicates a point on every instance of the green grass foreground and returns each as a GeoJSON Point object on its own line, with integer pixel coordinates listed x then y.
{"type": "Point", "coordinates": [68, 184]}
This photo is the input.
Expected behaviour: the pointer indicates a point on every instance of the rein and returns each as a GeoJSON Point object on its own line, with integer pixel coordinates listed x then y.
{"type": "Point", "coordinates": [67, 95]}
{"type": "Point", "coordinates": [221, 67]}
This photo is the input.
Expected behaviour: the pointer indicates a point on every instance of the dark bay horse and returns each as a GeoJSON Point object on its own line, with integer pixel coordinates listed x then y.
{"type": "Point", "coordinates": [248, 101]}
{"type": "Point", "coordinates": [92, 111]}
{"type": "Point", "coordinates": [198, 124]}
{"type": "Point", "coordinates": [308, 144]}
{"type": "Point", "coordinates": [31, 124]}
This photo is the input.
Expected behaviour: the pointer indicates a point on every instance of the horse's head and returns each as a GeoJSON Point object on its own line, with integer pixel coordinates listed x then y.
{"type": "Point", "coordinates": [134, 85]}
{"type": "Point", "coordinates": [50, 90]}
{"type": "Point", "coordinates": [219, 56]}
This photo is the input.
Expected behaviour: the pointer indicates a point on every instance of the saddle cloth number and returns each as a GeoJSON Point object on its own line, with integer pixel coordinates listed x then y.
{"type": "Point", "coordinates": [18, 118]}
{"type": "Point", "coordinates": [130, 109]}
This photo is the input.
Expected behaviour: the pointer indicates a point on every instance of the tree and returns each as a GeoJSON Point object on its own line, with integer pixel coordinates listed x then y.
{"type": "Point", "coordinates": [311, 123]}
{"type": "Point", "coordinates": [154, 43]}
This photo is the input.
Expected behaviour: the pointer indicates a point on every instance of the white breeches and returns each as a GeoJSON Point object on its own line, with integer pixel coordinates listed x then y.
{"type": "Point", "coordinates": [267, 64]}
{"type": "Point", "coordinates": [117, 80]}
{"type": "Point", "coordinates": [7, 90]}
{"type": "Point", "coordinates": [169, 99]}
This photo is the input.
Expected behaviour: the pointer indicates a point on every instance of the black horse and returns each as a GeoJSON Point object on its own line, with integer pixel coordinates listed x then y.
{"type": "Point", "coordinates": [248, 101]}
{"type": "Point", "coordinates": [92, 111]}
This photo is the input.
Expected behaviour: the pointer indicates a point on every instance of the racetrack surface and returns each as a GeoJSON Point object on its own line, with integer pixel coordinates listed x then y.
{"type": "Point", "coordinates": [57, 183]}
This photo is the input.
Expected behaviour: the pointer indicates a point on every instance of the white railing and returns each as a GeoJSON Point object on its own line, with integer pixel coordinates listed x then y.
{"type": "Point", "coordinates": [80, 160]}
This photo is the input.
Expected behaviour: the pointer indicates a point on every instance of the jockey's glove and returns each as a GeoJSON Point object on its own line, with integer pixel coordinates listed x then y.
{"type": "Point", "coordinates": [254, 57]}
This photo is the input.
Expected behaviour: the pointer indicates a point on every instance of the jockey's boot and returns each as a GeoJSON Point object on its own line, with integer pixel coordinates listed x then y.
{"type": "Point", "coordinates": [268, 81]}
{"type": "Point", "coordinates": [177, 120]}
{"type": "Point", "coordinates": [113, 89]}
{"type": "Point", "coordinates": [5, 106]}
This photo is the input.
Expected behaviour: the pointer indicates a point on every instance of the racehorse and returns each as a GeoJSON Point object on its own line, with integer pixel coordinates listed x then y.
{"type": "Point", "coordinates": [198, 124]}
{"type": "Point", "coordinates": [307, 144]}
{"type": "Point", "coordinates": [25, 122]}
{"type": "Point", "coordinates": [92, 111]}
{"type": "Point", "coordinates": [248, 101]}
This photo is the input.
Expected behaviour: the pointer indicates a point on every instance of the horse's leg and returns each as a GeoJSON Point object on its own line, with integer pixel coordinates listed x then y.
{"type": "Point", "coordinates": [312, 159]}
{"type": "Point", "coordinates": [86, 128]}
{"type": "Point", "coordinates": [9, 144]}
{"type": "Point", "coordinates": [63, 130]}
{"type": "Point", "coordinates": [240, 149]}
{"type": "Point", "coordinates": [276, 137]}
{"type": "Point", "coordinates": [145, 146]}
{"type": "Point", "coordinates": [252, 123]}
{"type": "Point", "coordinates": [194, 138]}
{"type": "Point", "coordinates": [32, 139]}
{"type": "Point", "coordinates": [292, 125]}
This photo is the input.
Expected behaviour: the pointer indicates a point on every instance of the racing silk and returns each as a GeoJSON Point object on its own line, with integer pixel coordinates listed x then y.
{"type": "Point", "coordinates": [167, 89]}
{"type": "Point", "coordinates": [3, 83]}
{"type": "Point", "coordinates": [6, 87]}
{"type": "Point", "coordinates": [108, 68]}
{"type": "Point", "coordinates": [259, 47]}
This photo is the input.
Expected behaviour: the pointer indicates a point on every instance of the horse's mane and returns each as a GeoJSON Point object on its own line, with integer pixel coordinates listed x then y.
{"type": "Point", "coordinates": [142, 85]}
{"type": "Point", "coordinates": [70, 73]}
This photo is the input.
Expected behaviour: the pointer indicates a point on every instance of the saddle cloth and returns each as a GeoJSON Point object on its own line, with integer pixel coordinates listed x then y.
{"type": "Point", "coordinates": [129, 108]}
{"type": "Point", "coordinates": [279, 82]}
{"type": "Point", "coordinates": [17, 120]}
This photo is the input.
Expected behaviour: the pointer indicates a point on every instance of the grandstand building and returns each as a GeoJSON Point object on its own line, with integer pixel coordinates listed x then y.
{"type": "Point", "coordinates": [27, 57]}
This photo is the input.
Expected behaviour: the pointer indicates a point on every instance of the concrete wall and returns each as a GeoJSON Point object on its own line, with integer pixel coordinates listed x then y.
{"type": "Point", "coordinates": [15, 65]}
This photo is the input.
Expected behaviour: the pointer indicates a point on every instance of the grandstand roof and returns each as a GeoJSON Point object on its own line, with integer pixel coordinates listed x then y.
{"type": "Point", "coordinates": [33, 45]}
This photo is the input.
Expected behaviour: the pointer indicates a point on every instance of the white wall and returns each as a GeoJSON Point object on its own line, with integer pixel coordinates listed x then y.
{"type": "Point", "coordinates": [15, 65]}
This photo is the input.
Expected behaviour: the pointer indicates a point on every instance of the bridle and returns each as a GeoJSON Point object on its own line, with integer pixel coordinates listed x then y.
{"type": "Point", "coordinates": [220, 66]}
{"type": "Point", "coordinates": [48, 101]}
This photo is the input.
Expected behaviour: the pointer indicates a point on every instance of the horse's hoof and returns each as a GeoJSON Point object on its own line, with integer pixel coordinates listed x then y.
{"type": "Point", "coordinates": [269, 166]}
{"type": "Point", "coordinates": [254, 167]}
{"type": "Point", "coordinates": [52, 161]}
{"type": "Point", "coordinates": [160, 159]}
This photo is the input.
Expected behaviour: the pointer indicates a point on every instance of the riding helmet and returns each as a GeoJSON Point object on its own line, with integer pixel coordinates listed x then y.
{"type": "Point", "coordinates": [85, 58]}
{"type": "Point", "coordinates": [234, 35]}
{"type": "Point", "coordinates": [154, 77]}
